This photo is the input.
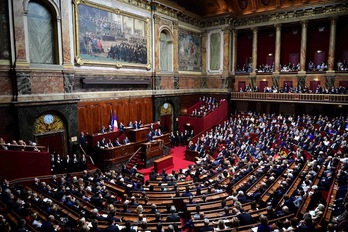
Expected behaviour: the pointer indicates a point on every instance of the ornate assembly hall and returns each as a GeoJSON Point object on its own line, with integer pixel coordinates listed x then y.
{"type": "Point", "coordinates": [173, 115]}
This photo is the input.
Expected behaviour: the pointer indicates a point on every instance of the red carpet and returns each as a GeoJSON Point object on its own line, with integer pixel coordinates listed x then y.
{"type": "Point", "coordinates": [178, 154]}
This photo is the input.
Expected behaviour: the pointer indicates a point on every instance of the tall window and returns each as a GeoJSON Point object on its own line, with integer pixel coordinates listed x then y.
{"type": "Point", "coordinates": [41, 34]}
{"type": "Point", "coordinates": [166, 52]}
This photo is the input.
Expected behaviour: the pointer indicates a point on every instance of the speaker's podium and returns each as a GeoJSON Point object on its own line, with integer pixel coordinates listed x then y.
{"type": "Point", "coordinates": [151, 151]}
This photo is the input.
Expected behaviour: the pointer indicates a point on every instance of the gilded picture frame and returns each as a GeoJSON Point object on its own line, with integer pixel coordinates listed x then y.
{"type": "Point", "coordinates": [109, 36]}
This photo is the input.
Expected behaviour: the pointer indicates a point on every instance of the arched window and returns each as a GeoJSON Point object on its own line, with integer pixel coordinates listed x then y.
{"type": "Point", "coordinates": [166, 52]}
{"type": "Point", "coordinates": [41, 33]}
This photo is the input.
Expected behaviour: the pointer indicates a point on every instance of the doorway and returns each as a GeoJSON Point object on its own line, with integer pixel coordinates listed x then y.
{"type": "Point", "coordinates": [241, 86]}
{"type": "Point", "coordinates": [55, 142]}
{"type": "Point", "coordinates": [313, 86]}
{"type": "Point", "coordinates": [167, 117]}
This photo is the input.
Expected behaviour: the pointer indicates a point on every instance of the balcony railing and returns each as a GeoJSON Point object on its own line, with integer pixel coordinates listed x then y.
{"type": "Point", "coordinates": [291, 97]}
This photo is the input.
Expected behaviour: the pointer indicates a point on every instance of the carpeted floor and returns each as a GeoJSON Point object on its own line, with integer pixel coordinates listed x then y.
{"type": "Point", "coordinates": [179, 161]}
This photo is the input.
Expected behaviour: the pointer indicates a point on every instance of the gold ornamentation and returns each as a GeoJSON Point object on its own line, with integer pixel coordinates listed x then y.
{"type": "Point", "coordinates": [40, 126]}
{"type": "Point", "coordinates": [166, 110]}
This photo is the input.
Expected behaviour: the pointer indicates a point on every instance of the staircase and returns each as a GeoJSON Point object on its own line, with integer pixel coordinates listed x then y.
{"type": "Point", "coordinates": [136, 159]}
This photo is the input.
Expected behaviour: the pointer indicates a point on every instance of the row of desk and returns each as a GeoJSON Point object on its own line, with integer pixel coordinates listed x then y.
{"type": "Point", "coordinates": [109, 157]}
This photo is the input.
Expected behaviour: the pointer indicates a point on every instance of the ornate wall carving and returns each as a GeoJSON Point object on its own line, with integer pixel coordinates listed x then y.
{"type": "Point", "coordinates": [23, 83]}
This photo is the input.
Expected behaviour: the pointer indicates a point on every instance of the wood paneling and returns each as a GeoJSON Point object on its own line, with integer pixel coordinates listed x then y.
{"type": "Point", "coordinates": [93, 115]}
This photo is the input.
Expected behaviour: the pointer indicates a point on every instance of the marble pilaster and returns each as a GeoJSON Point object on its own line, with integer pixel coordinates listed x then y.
{"type": "Point", "coordinates": [157, 20]}
{"type": "Point", "coordinates": [204, 53]}
{"type": "Point", "coordinates": [303, 46]}
{"type": "Point", "coordinates": [66, 34]}
{"type": "Point", "coordinates": [20, 14]}
{"type": "Point", "coordinates": [234, 51]}
{"type": "Point", "coordinates": [254, 52]}
{"type": "Point", "coordinates": [332, 44]}
{"type": "Point", "coordinates": [277, 48]}
{"type": "Point", "coordinates": [226, 51]}
{"type": "Point", "coordinates": [175, 47]}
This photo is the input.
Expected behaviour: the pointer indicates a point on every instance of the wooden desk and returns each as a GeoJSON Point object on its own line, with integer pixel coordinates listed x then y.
{"type": "Point", "coordinates": [92, 139]}
{"type": "Point", "coordinates": [165, 138]}
{"type": "Point", "coordinates": [108, 157]}
{"type": "Point", "coordinates": [138, 135]}
{"type": "Point", "coordinates": [163, 163]}
{"type": "Point", "coordinates": [151, 150]}
{"type": "Point", "coordinates": [191, 155]}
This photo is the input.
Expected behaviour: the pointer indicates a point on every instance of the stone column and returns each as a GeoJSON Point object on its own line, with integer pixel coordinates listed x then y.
{"type": "Point", "coordinates": [303, 46]}
{"type": "Point", "coordinates": [277, 48]}
{"type": "Point", "coordinates": [226, 51]}
{"type": "Point", "coordinates": [175, 47]}
{"type": "Point", "coordinates": [254, 52]}
{"type": "Point", "coordinates": [234, 51]}
{"type": "Point", "coordinates": [204, 53]}
{"type": "Point", "coordinates": [332, 44]}
{"type": "Point", "coordinates": [157, 20]}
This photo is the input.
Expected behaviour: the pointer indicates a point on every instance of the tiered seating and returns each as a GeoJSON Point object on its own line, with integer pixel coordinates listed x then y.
{"type": "Point", "coordinates": [221, 179]}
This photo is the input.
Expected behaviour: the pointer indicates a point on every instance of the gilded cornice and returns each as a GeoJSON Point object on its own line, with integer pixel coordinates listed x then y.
{"type": "Point", "coordinates": [146, 5]}
{"type": "Point", "coordinates": [292, 16]}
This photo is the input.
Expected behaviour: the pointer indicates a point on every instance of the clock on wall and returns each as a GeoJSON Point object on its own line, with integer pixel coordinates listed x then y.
{"type": "Point", "coordinates": [48, 119]}
{"type": "Point", "coordinates": [165, 105]}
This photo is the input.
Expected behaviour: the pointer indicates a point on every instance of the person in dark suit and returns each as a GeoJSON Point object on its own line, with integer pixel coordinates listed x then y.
{"type": "Point", "coordinates": [149, 137]}
{"type": "Point", "coordinates": [306, 225]}
{"type": "Point", "coordinates": [245, 218]}
{"type": "Point", "coordinates": [173, 217]}
{"type": "Point", "coordinates": [127, 227]}
{"type": "Point", "coordinates": [117, 142]}
{"type": "Point", "coordinates": [83, 140]}
{"type": "Point", "coordinates": [112, 226]}
{"type": "Point", "coordinates": [121, 127]}
{"type": "Point", "coordinates": [206, 226]}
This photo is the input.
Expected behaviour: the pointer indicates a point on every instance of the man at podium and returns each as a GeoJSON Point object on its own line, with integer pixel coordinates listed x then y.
{"type": "Point", "coordinates": [149, 137]}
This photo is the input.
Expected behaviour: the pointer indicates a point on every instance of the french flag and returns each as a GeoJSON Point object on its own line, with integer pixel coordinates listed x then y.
{"type": "Point", "coordinates": [113, 121]}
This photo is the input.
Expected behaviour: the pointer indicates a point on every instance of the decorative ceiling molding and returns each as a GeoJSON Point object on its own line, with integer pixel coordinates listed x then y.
{"type": "Point", "coordinates": [292, 16]}
{"type": "Point", "coordinates": [277, 13]}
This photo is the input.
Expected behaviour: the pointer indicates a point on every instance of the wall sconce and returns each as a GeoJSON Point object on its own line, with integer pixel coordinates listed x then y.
{"type": "Point", "coordinates": [294, 32]}
{"type": "Point", "coordinates": [270, 54]}
{"type": "Point", "coordinates": [321, 29]}
{"type": "Point", "coordinates": [319, 51]}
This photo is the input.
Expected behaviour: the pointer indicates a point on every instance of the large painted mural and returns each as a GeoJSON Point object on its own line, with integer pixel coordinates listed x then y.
{"type": "Point", "coordinates": [109, 36]}
{"type": "Point", "coordinates": [190, 51]}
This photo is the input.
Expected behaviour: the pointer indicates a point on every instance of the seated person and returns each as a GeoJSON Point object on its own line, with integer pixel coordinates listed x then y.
{"type": "Point", "coordinates": [117, 142]}
{"type": "Point", "coordinates": [126, 140]}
